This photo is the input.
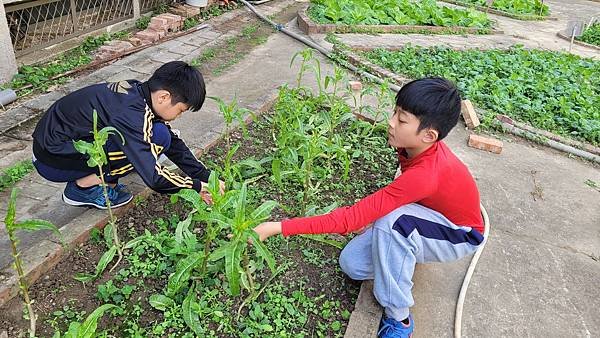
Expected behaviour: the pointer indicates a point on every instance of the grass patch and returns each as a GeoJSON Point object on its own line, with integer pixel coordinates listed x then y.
{"type": "Point", "coordinates": [232, 50]}
{"type": "Point", "coordinates": [14, 174]}
{"type": "Point", "coordinates": [39, 77]}
{"type": "Point", "coordinates": [554, 91]}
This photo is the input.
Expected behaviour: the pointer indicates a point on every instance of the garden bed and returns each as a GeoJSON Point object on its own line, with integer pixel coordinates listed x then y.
{"type": "Point", "coordinates": [305, 294]}
{"type": "Point", "coordinates": [497, 11]}
{"type": "Point", "coordinates": [311, 26]}
{"type": "Point", "coordinates": [552, 91]}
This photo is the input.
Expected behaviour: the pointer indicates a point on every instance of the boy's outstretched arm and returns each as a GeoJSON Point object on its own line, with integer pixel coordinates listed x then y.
{"type": "Point", "coordinates": [268, 229]}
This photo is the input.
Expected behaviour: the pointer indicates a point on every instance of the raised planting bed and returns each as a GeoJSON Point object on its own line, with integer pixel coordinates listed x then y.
{"type": "Point", "coordinates": [516, 9]}
{"type": "Point", "coordinates": [306, 153]}
{"type": "Point", "coordinates": [552, 91]}
{"type": "Point", "coordinates": [391, 16]}
{"type": "Point", "coordinates": [590, 37]}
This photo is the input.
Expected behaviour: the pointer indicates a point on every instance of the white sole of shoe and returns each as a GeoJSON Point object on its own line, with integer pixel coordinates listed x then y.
{"type": "Point", "coordinates": [87, 204]}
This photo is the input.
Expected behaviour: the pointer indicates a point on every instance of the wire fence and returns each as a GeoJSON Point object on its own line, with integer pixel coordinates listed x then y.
{"type": "Point", "coordinates": [37, 24]}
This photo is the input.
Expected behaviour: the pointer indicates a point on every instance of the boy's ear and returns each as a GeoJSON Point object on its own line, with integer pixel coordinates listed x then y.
{"type": "Point", "coordinates": [163, 96]}
{"type": "Point", "coordinates": [431, 135]}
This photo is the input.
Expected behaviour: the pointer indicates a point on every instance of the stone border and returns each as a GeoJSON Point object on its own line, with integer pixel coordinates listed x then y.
{"type": "Point", "coordinates": [381, 72]}
{"type": "Point", "coordinates": [364, 320]}
{"type": "Point", "coordinates": [524, 17]}
{"type": "Point", "coordinates": [562, 35]}
{"type": "Point", "coordinates": [44, 256]}
{"type": "Point", "coordinates": [308, 26]}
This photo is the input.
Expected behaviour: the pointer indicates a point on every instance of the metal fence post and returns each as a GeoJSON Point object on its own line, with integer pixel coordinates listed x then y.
{"type": "Point", "coordinates": [7, 54]}
{"type": "Point", "coordinates": [74, 16]}
{"type": "Point", "coordinates": [136, 9]}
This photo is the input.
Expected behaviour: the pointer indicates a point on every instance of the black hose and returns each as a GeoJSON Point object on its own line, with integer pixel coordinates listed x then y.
{"type": "Point", "coordinates": [316, 46]}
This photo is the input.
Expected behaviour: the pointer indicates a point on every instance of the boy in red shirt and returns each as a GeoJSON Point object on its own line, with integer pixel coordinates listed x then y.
{"type": "Point", "coordinates": [429, 213]}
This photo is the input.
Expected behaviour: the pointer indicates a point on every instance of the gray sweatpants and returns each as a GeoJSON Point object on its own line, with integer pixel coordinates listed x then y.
{"type": "Point", "coordinates": [387, 252]}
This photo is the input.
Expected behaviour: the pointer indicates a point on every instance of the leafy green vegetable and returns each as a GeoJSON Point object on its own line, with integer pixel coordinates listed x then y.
{"type": "Point", "coordinates": [531, 7]}
{"type": "Point", "coordinates": [553, 91]}
{"type": "Point", "coordinates": [394, 12]}
{"type": "Point", "coordinates": [591, 35]}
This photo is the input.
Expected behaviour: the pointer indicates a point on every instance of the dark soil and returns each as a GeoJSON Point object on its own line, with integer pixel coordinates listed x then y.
{"type": "Point", "coordinates": [318, 278]}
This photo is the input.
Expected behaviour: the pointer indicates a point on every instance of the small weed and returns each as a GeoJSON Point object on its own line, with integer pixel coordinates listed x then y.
{"type": "Point", "coordinates": [143, 22]}
{"type": "Point", "coordinates": [14, 174]}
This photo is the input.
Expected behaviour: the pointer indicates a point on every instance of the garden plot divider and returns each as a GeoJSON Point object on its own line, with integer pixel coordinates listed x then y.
{"type": "Point", "coordinates": [308, 26]}
{"type": "Point", "coordinates": [489, 10]}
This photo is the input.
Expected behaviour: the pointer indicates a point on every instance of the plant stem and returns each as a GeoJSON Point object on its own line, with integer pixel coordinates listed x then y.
{"type": "Point", "coordinates": [248, 273]}
{"type": "Point", "coordinates": [306, 185]}
{"type": "Point", "coordinates": [207, 243]}
{"type": "Point", "coordinates": [22, 281]}
{"type": "Point", "coordinates": [113, 221]}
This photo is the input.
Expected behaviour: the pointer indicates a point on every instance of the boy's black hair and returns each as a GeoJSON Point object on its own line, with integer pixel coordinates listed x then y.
{"type": "Point", "coordinates": [184, 82]}
{"type": "Point", "coordinates": [435, 101]}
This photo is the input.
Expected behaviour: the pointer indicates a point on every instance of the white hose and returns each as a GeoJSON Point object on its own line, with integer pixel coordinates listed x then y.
{"type": "Point", "coordinates": [465, 285]}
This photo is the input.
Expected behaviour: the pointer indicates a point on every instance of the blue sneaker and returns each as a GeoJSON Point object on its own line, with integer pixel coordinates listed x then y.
{"type": "Point", "coordinates": [94, 196]}
{"type": "Point", "coordinates": [391, 328]}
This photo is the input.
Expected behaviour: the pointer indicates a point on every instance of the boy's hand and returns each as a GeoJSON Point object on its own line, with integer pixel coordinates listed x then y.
{"type": "Point", "coordinates": [267, 229]}
{"type": "Point", "coordinates": [206, 195]}
{"type": "Point", "coordinates": [222, 187]}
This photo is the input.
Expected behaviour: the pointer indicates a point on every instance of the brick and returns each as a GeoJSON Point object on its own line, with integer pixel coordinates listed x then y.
{"type": "Point", "coordinates": [148, 35]}
{"type": "Point", "coordinates": [185, 11]}
{"type": "Point", "coordinates": [355, 85]}
{"type": "Point", "coordinates": [158, 24]}
{"type": "Point", "coordinates": [135, 41]}
{"type": "Point", "coordinates": [485, 143]}
{"type": "Point", "coordinates": [469, 114]}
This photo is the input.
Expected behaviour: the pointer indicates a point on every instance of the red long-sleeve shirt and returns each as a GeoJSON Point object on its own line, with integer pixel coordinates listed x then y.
{"type": "Point", "coordinates": [436, 179]}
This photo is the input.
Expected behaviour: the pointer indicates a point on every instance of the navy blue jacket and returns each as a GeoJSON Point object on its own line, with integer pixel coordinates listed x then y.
{"type": "Point", "coordinates": [125, 105]}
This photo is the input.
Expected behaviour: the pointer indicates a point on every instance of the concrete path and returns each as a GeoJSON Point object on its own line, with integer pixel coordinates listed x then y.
{"type": "Point", "coordinates": [540, 273]}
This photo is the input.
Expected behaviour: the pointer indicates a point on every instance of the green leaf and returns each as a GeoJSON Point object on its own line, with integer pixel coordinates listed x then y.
{"type": "Point", "coordinates": [190, 316]}
{"type": "Point", "coordinates": [261, 250]}
{"type": "Point", "coordinates": [84, 147]}
{"type": "Point", "coordinates": [161, 302]}
{"type": "Point", "coordinates": [183, 230]}
{"type": "Point", "coordinates": [106, 258]}
{"type": "Point", "coordinates": [232, 267]}
{"type": "Point", "coordinates": [108, 234]}
{"type": "Point", "coordinates": [265, 327]}
{"type": "Point", "coordinates": [191, 196]}
{"type": "Point", "coordinates": [114, 131]}
{"type": "Point", "coordinates": [240, 206]}
{"type": "Point", "coordinates": [36, 224]}
{"type": "Point", "coordinates": [9, 220]}
{"type": "Point", "coordinates": [88, 327]}
{"type": "Point", "coordinates": [134, 242]}
{"type": "Point", "coordinates": [263, 211]}
{"type": "Point", "coordinates": [183, 273]}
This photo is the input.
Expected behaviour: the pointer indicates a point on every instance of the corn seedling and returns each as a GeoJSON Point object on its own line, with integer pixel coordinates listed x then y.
{"type": "Point", "coordinates": [97, 159]}
{"type": "Point", "coordinates": [28, 225]}
{"type": "Point", "coordinates": [231, 113]}
{"type": "Point", "coordinates": [240, 222]}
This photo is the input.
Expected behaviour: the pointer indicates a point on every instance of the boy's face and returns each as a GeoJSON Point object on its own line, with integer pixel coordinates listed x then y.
{"type": "Point", "coordinates": [163, 107]}
{"type": "Point", "coordinates": [403, 131]}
